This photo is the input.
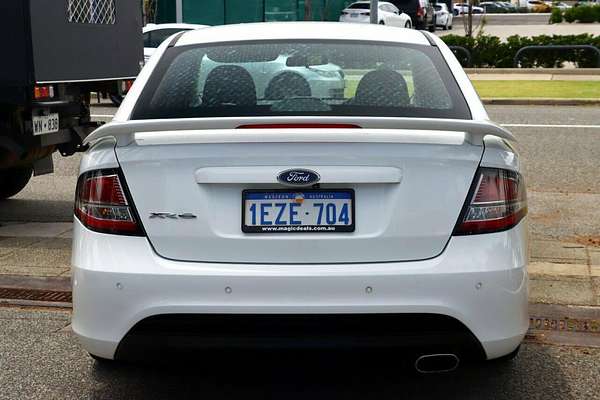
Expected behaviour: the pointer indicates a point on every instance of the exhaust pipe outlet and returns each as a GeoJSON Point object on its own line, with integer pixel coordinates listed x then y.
{"type": "Point", "coordinates": [436, 363]}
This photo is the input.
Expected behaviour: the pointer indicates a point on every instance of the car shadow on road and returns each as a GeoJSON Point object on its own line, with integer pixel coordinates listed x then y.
{"type": "Point", "coordinates": [327, 375]}
{"type": "Point", "coordinates": [33, 210]}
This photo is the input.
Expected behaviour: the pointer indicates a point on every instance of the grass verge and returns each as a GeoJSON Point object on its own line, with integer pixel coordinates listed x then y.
{"type": "Point", "coordinates": [538, 89]}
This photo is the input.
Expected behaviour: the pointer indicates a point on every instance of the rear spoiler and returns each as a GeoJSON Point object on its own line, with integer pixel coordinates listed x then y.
{"type": "Point", "coordinates": [214, 130]}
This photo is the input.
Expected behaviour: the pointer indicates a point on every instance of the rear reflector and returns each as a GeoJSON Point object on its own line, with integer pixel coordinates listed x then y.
{"type": "Point", "coordinates": [101, 204]}
{"type": "Point", "coordinates": [497, 203]}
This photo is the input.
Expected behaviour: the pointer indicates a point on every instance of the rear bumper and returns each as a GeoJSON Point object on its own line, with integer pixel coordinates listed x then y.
{"type": "Point", "coordinates": [119, 283]}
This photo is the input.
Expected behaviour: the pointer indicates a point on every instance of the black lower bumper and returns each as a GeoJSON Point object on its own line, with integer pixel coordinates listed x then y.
{"type": "Point", "coordinates": [183, 335]}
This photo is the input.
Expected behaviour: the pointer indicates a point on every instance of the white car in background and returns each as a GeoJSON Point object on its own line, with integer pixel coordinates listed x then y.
{"type": "Point", "coordinates": [463, 8]}
{"type": "Point", "coordinates": [316, 77]}
{"type": "Point", "coordinates": [443, 16]}
{"type": "Point", "coordinates": [388, 14]}
{"type": "Point", "coordinates": [560, 5]}
{"type": "Point", "coordinates": [155, 34]}
{"type": "Point", "coordinates": [209, 216]}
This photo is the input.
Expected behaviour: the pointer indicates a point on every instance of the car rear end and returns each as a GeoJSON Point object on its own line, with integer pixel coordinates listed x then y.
{"type": "Point", "coordinates": [389, 218]}
{"type": "Point", "coordinates": [357, 13]}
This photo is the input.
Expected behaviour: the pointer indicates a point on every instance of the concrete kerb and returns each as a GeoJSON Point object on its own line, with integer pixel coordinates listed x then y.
{"type": "Point", "coordinates": [540, 102]}
{"type": "Point", "coordinates": [535, 71]}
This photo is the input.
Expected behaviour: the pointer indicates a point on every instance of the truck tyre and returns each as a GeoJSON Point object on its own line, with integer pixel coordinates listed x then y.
{"type": "Point", "coordinates": [431, 27]}
{"type": "Point", "coordinates": [13, 180]}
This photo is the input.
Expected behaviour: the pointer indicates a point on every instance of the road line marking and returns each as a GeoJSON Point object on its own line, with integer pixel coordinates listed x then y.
{"type": "Point", "coordinates": [550, 126]}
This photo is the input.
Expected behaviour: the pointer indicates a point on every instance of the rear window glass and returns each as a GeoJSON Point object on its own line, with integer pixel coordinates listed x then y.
{"type": "Point", "coordinates": [360, 6]}
{"type": "Point", "coordinates": [320, 78]}
{"type": "Point", "coordinates": [158, 36]}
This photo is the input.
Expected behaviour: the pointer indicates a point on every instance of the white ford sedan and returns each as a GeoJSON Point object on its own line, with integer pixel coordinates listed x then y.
{"type": "Point", "coordinates": [387, 14]}
{"type": "Point", "coordinates": [221, 216]}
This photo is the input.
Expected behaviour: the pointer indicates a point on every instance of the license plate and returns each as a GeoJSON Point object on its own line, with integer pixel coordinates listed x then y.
{"type": "Point", "coordinates": [284, 211]}
{"type": "Point", "coordinates": [354, 15]}
{"type": "Point", "coordinates": [45, 124]}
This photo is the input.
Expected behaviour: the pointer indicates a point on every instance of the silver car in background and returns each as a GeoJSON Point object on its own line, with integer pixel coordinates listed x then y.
{"type": "Point", "coordinates": [311, 77]}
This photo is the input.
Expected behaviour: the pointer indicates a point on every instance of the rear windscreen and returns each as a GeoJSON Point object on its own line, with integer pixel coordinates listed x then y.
{"type": "Point", "coordinates": [318, 78]}
{"type": "Point", "coordinates": [361, 6]}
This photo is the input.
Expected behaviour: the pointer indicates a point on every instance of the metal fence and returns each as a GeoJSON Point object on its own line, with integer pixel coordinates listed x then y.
{"type": "Point", "coordinates": [91, 11]}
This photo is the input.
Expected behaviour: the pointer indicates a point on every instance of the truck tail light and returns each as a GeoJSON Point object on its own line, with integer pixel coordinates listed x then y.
{"type": "Point", "coordinates": [126, 85]}
{"type": "Point", "coordinates": [102, 203]}
{"type": "Point", "coordinates": [43, 92]}
{"type": "Point", "coordinates": [497, 203]}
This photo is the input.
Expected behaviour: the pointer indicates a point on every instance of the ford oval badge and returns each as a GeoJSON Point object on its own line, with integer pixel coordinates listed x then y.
{"type": "Point", "coordinates": [298, 177]}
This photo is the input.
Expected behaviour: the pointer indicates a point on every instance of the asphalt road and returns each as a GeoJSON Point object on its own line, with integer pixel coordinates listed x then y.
{"type": "Point", "coordinates": [561, 167]}
{"type": "Point", "coordinates": [40, 359]}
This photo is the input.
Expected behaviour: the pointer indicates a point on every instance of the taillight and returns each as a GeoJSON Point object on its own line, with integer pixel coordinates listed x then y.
{"type": "Point", "coordinates": [43, 92]}
{"type": "Point", "coordinates": [126, 85]}
{"type": "Point", "coordinates": [497, 203]}
{"type": "Point", "coordinates": [102, 205]}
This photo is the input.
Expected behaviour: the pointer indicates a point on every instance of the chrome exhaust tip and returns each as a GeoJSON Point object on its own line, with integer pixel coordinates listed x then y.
{"type": "Point", "coordinates": [436, 363]}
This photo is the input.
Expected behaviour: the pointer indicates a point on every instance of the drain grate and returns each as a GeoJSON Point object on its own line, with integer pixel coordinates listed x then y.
{"type": "Point", "coordinates": [564, 324]}
{"type": "Point", "coordinates": [52, 296]}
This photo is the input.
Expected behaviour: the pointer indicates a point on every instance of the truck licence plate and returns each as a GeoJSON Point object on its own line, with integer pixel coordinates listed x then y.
{"type": "Point", "coordinates": [45, 124]}
{"type": "Point", "coordinates": [284, 211]}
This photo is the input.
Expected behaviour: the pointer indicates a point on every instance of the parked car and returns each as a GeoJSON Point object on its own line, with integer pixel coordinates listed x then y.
{"type": "Point", "coordinates": [325, 80]}
{"type": "Point", "coordinates": [216, 218]}
{"type": "Point", "coordinates": [443, 16]}
{"type": "Point", "coordinates": [387, 14]}
{"type": "Point", "coordinates": [560, 5]}
{"type": "Point", "coordinates": [421, 13]}
{"type": "Point", "coordinates": [491, 7]}
{"type": "Point", "coordinates": [538, 6]}
{"type": "Point", "coordinates": [155, 34]}
{"type": "Point", "coordinates": [463, 8]}
{"type": "Point", "coordinates": [510, 7]}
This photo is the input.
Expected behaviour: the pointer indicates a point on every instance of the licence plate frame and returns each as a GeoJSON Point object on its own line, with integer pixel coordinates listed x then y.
{"type": "Point", "coordinates": [45, 124]}
{"type": "Point", "coordinates": [349, 228]}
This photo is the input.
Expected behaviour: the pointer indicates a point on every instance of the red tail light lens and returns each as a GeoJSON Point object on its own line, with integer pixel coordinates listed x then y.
{"type": "Point", "coordinates": [101, 204]}
{"type": "Point", "coordinates": [498, 203]}
{"type": "Point", "coordinates": [43, 92]}
{"type": "Point", "coordinates": [420, 11]}
{"type": "Point", "coordinates": [126, 85]}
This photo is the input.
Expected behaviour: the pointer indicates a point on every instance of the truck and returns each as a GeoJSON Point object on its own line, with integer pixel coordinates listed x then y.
{"type": "Point", "coordinates": [55, 54]}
